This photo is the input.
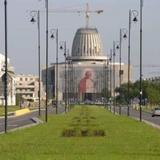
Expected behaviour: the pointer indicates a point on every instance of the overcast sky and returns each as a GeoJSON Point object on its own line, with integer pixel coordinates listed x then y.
{"type": "Point", "coordinates": [22, 35]}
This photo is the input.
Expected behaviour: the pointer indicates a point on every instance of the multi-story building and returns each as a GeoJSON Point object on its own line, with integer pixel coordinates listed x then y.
{"type": "Point", "coordinates": [27, 87]}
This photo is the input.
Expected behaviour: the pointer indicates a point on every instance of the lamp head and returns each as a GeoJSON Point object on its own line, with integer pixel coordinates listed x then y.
{"type": "Point", "coordinates": [33, 20]}
{"type": "Point", "coordinates": [135, 19]}
{"type": "Point", "coordinates": [61, 47]}
{"type": "Point", "coordinates": [117, 47]}
{"type": "Point", "coordinates": [125, 36]}
{"type": "Point", "coordinates": [52, 36]}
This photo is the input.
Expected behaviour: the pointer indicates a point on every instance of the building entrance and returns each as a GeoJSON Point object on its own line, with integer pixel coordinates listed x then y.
{"type": "Point", "coordinates": [88, 96]}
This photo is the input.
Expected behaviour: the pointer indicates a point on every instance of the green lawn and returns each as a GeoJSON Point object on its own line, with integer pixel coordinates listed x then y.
{"type": "Point", "coordinates": [125, 139]}
{"type": "Point", "coordinates": [10, 109]}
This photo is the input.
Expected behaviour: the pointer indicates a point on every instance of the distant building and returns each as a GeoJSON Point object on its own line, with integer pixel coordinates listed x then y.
{"type": "Point", "coordinates": [87, 72]}
{"type": "Point", "coordinates": [11, 98]}
{"type": "Point", "coordinates": [27, 87]}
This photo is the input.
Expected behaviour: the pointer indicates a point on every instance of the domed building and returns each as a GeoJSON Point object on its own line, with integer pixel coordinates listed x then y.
{"type": "Point", "coordinates": [87, 71]}
{"type": "Point", "coordinates": [87, 46]}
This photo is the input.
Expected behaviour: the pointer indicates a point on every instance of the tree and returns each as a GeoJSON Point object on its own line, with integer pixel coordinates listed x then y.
{"type": "Point", "coordinates": [106, 93]}
{"type": "Point", "coordinates": [150, 90]}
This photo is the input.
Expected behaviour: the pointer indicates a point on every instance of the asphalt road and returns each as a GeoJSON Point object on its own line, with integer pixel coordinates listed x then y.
{"type": "Point", "coordinates": [135, 114]}
{"type": "Point", "coordinates": [20, 121]}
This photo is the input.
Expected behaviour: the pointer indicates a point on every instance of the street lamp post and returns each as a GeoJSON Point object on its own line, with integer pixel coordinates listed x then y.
{"type": "Point", "coordinates": [107, 90]}
{"type": "Point", "coordinates": [105, 86]}
{"type": "Point", "coordinates": [115, 46]}
{"type": "Point", "coordinates": [63, 47]}
{"type": "Point", "coordinates": [6, 66]}
{"type": "Point", "coordinates": [123, 34]}
{"type": "Point", "coordinates": [135, 14]}
{"type": "Point", "coordinates": [53, 33]}
{"type": "Point", "coordinates": [140, 87]}
{"type": "Point", "coordinates": [110, 59]}
{"type": "Point", "coordinates": [46, 80]}
{"type": "Point", "coordinates": [114, 75]}
{"type": "Point", "coordinates": [33, 14]}
{"type": "Point", "coordinates": [68, 78]}
{"type": "Point", "coordinates": [46, 109]}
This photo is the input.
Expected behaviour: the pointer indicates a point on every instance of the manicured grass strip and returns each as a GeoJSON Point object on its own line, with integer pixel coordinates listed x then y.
{"type": "Point", "coordinates": [83, 124]}
{"type": "Point", "coordinates": [125, 139]}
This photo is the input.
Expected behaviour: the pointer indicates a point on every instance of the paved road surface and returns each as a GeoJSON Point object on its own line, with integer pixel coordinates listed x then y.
{"type": "Point", "coordinates": [145, 115]}
{"type": "Point", "coordinates": [15, 122]}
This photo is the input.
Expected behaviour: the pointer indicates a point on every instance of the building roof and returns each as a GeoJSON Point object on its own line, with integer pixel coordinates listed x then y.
{"type": "Point", "coordinates": [87, 45]}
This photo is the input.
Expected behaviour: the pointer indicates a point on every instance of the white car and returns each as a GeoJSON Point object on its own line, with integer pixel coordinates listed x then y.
{"type": "Point", "coordinates": [156, 112]}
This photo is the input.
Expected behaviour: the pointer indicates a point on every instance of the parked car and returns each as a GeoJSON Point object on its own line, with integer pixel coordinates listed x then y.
{"type": "Point", "coordinates": [156, 112]}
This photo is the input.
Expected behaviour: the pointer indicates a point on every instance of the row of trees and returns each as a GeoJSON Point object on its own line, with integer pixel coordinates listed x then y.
{"type": "Point", "coordinates": [151, 92]}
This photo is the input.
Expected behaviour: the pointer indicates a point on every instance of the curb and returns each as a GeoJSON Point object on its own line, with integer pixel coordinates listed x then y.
{"type": "Point", "coordinates": [14, 116]}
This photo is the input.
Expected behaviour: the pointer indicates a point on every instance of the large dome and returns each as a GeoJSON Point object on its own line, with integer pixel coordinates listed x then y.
{"type": "Point", "coordinates": [87, 45]}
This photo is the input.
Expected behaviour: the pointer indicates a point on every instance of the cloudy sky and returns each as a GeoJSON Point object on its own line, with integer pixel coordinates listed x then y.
{"type": "Point", "coordinates": [22, 35]}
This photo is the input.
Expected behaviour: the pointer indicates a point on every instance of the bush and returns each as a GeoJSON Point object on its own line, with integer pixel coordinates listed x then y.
{"type": "Point", "coordinates": [99, 132]}
{"type": "Point", "coordinates": [70, 132]}
{"type": "Point", "coordinates": [83, 125]}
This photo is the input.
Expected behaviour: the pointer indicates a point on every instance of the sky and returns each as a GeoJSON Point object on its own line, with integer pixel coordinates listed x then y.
{"type": "Point", "coordinates": [22, 34]}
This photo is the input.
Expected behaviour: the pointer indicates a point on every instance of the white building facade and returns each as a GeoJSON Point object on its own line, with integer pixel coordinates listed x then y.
{"type": "Point", "coordinates": [11, 90]}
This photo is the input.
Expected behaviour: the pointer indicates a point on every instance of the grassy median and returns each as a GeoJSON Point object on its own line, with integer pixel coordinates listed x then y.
{"type": "Point", "coordinates": [124, 139]}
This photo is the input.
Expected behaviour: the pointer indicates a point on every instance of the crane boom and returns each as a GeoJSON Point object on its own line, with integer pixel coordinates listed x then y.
{"type": "Point", "coordinates": [87, 12]}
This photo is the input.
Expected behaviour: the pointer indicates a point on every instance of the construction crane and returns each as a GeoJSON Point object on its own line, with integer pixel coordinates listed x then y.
{"type": "Point", "coordinates": [87, 12]}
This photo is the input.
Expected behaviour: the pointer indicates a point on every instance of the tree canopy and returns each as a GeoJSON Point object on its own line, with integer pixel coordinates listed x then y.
{"type": "Point", "coordinates": [150, 92]}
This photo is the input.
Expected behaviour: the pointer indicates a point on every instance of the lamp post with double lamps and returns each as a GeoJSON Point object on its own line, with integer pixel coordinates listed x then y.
{"type": "Point", "coordinates": [63, 47]}
{"type": "Point", "coordinates": [6, 68]}
{"type": "Point", "coordinates": [33, 20]}
{"type": "Point", "coordinates": [132, 17]}
{"type": "Point", "coordinates": [54, 33]}
{"type": "Point", "coordinates": [123, 34]}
